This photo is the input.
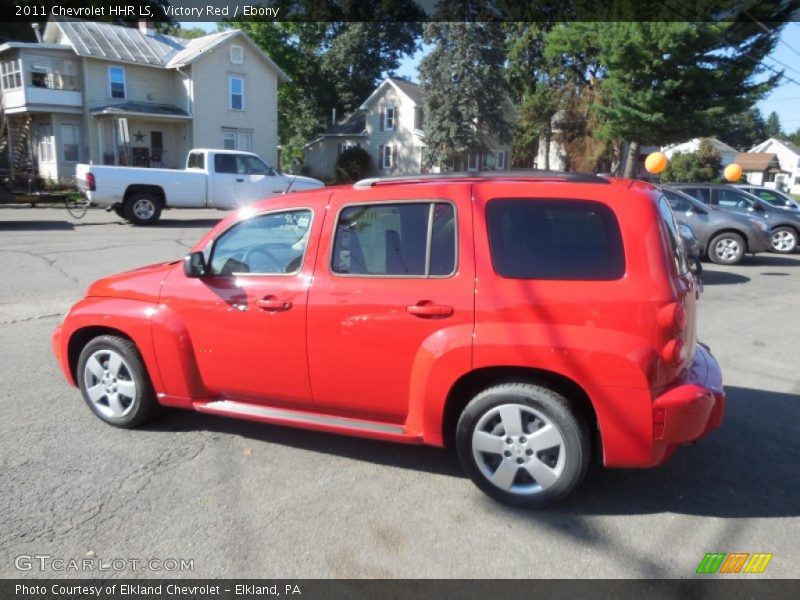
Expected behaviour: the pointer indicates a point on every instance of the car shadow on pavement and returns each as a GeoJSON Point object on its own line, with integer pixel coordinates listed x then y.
{"type": "Point", "coordinates": [35, 225]}
{"type": "Point", "coordinates": [722, 278]}
{"type": "Point", "coordinates": [747, 468]}
{"type": "Point", "coordinates": [185, 223]}
{"type": "Point", "coordinates": [771, 260]}
{"type": "Point", "coordinates": [405, 456]}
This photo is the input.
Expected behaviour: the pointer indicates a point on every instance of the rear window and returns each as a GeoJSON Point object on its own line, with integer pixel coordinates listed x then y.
{"type": "Point", "coordinates": [554, 239]}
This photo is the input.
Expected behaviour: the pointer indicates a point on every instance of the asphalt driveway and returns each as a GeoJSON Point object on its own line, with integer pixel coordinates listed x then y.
{"type": "Point", "coordinates": [246, 500]}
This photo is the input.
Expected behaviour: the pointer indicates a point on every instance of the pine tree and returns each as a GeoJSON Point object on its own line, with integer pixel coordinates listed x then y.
{"type": "Point", "coordinates": [463, 83]}
{"type": "Point", "coordinates": [773, 128]}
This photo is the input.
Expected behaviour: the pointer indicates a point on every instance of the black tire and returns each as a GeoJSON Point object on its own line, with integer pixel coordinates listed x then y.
{"type": "Point", "coordinates": [539, 407]}
{"type": "Point", "coordinates": [137, 408]}
{"type": "Point", "coordinates": [726, 248]}
{"type": "Point", "coordinates": [783, 240]}
{"type": "Point", "coordinates": [142, 208]}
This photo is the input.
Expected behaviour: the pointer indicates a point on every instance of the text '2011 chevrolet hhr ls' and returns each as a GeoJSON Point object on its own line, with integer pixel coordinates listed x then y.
{"type": "Point", "coordinates": [530, 322]}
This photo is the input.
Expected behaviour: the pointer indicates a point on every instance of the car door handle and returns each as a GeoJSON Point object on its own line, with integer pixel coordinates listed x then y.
{"type": "Point", "coordinates": [271, 303]}
{"type": "Point", "coordinates": [239, 180]}
{"type": "Point", "coordinates": [428, 309]}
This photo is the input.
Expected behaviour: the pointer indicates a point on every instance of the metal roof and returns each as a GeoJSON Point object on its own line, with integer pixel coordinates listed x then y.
{"type": "Point", "coordinates": [129, 45]}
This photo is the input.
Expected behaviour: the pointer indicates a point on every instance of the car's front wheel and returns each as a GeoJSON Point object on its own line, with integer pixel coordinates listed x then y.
{"type": "Point", "coordinates": [523, 444]}
{"type": "Point", "coordinates": [726, 249]}
{"type": "Point", "coordinates": [114, 382]}
{"type": "Point", "coordinates": [784, 240]}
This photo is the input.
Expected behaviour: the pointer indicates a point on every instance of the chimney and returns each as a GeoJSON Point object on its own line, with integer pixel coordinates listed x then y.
{"type": "Point", "coordinates": [37, 32]}
{"type": "Point", "coordinates": [333, 117]}
{"type": "Point", "coordinates": [146, 27]}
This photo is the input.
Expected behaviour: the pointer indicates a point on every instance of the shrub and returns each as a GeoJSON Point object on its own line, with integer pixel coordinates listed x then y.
{"type": "Point", "coordinates": [353, 164]}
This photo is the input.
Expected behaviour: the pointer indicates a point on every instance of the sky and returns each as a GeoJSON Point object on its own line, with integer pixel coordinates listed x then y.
{"type": "Point", "coordinates": [784, 99]}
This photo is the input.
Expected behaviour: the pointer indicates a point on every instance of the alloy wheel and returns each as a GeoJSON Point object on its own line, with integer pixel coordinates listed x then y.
{"type": "Point", "coordinates": [109, 383]}
{"type": "Point", "coordinates": [518, 449]}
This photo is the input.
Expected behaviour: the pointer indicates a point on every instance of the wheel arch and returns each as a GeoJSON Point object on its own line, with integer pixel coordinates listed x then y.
{"type": "Point", "coordinates": [717, 233]}
{"type": "Point", "coordinates": [470, 384]}
{"type": "Point", "coordinates": [81, 337]}
{"type": "Point", "coordinates": [142, 188]}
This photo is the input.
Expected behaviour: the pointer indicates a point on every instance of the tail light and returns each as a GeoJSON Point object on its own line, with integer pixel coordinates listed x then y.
{"type": "Point", "coordinates": [672, 318]}
{"type": "Point", "coordinates": [673, 353]}
{"type": "Point", "coordinates": [91, 185]}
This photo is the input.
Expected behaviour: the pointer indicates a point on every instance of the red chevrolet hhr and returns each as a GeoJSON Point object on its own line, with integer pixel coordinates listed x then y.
{"type": "Point", "coordinates": [529, 321]}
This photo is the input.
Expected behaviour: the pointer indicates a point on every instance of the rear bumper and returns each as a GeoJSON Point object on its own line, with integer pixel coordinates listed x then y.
{"type": "Point", "coordinates": [692, 408]}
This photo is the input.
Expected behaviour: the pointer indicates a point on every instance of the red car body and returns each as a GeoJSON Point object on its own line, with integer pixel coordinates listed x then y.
{"type": "Point", "coordinates": [396, 358]}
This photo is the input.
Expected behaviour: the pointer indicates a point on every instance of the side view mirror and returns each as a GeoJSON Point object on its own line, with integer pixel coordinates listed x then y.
{"type": "Point", "coordinates": [194, 264]}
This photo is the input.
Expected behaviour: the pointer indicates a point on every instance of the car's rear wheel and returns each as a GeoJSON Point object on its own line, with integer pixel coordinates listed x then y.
{"type": "Point", "coordinates": [726, 249]}
{"type": "Point", "coordinates": [142, 209]}
{"type": "Point", "coordinates": [523, 444]}
{"type": "Point", "coordinates": [784, 240]}
{"type": "Point", "coordinates": [114, 382]}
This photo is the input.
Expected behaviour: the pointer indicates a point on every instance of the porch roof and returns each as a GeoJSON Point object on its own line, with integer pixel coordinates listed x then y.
{"type": "Point", "coordinates": [143, 109]}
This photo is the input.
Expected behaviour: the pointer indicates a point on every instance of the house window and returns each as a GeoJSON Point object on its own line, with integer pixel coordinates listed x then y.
{"type": "Point", "coordinates": [67, 74]}
{"type": "Point", "coordinates": [45, 136]}
{"type": "Point", "coordinates": [42, 74]}
{"type": "Point", "coordinates": [69, 143]}
{"type": "Point", "coordinates": [237, 54]}
{"type": "Point", "coordinates": [236, 85]}
{"type": "Point", "coordinates": [237, 139]}
{"type": "Point", "coordinates": [418, 118]}
{"type": "Point", "coordinates": [346, 146]}
{"type": "Point", "coordinates": [386, 157]}
{"type": "Point", "coordinates": [116, 82]}
{"type": "Point", "coordinates": [500, 163]}
{"type": "Point", "coordinates": [473, 161]}
{"type": "Point", "coordinates": [11, 74]}
{"type": "Point", "coordinates": [389, 122]}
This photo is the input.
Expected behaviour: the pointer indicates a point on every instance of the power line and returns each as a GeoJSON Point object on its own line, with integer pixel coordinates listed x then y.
{"type": "Point", "coordinates": [765, 28]}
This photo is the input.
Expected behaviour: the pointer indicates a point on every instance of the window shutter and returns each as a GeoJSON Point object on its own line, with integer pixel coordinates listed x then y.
{"type": "Point", "coordinates": [382, 116]}
{"type": "Point", "coordinates": [396, 119]}
{"type": "Point", "coordinates": [394, 156]}
{"type": "Point", "coordinates": [380, 156]}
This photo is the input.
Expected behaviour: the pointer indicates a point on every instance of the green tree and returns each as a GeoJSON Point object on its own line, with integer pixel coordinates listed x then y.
{"type": "Point", "coordinates": [691, 167]}
{"type": "Point", "coordinates": [773, 128]}
{"type": "Point", "coordinates": [743, 130]}
{"type": "Point", "coordinates": [353, 164]}
{"type": "Point", "coordinates": [666, 81]}
{"type": "Point", "coordinates": [464, 87]}
{"type": "Point", "coordinates": [335, 53]}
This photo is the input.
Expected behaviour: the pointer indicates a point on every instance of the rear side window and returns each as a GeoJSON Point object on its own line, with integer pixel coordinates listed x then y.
{"type": "Point", "coordinates": [415, 239]}
{"type": "Point", "coordinates": [554, 239]}
{"type": "Point", "coordinates": [674, 240]}
{"type": "Point", "coordinates": [196, 161]}
{"type": "Point", "coordinates": [702, 194]}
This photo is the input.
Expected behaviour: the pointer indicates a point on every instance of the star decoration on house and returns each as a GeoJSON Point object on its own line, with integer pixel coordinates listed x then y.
{"type": "Point", "coordinates": [139, 136]}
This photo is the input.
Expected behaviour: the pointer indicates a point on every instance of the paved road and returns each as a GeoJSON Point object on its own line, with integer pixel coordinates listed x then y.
{"type": "Point", "coordinates": [250, 500]}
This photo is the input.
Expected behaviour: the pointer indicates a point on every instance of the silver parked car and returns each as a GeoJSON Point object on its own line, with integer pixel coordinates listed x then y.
{"type": "Point", "coordinates": [776, 198]}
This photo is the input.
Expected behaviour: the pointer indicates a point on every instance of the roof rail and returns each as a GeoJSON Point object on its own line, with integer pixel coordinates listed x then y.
{"type": "Point", "coordinates": [472, 175]}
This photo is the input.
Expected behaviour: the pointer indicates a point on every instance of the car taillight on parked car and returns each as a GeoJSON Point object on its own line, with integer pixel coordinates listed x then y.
{"type": "Point", "coordinates": [672, 318]}
{"type": "Point", "coordinates": [91, 185]}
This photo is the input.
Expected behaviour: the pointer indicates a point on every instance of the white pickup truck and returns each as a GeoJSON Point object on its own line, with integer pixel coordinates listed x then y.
{"type": "Point", "coordinates": [212, 179]}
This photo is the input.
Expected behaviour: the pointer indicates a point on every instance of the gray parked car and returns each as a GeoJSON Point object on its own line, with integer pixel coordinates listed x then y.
{"type": "Point", "coordinates": [784, 224]}
{"type": "Point", "coordinates": [774, 197]}
{"type": "Point", "coordinates": [724, 237]}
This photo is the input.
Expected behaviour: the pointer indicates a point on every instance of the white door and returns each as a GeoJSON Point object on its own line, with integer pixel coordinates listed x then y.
{"type": "Point", "coordinates": [240, 179]}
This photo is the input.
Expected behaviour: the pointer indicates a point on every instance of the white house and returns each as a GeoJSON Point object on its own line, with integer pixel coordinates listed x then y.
{"type": "Point", "coordinates": [103, 93]}
{"type": "Point", "coordinates": [760, 168]}
{"type": "Point", "coordinates": [789, 158]}
{"type": "Point", "coordinates": [388, 125]}
{"type": "Point", "coordinates": [726, 153]}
